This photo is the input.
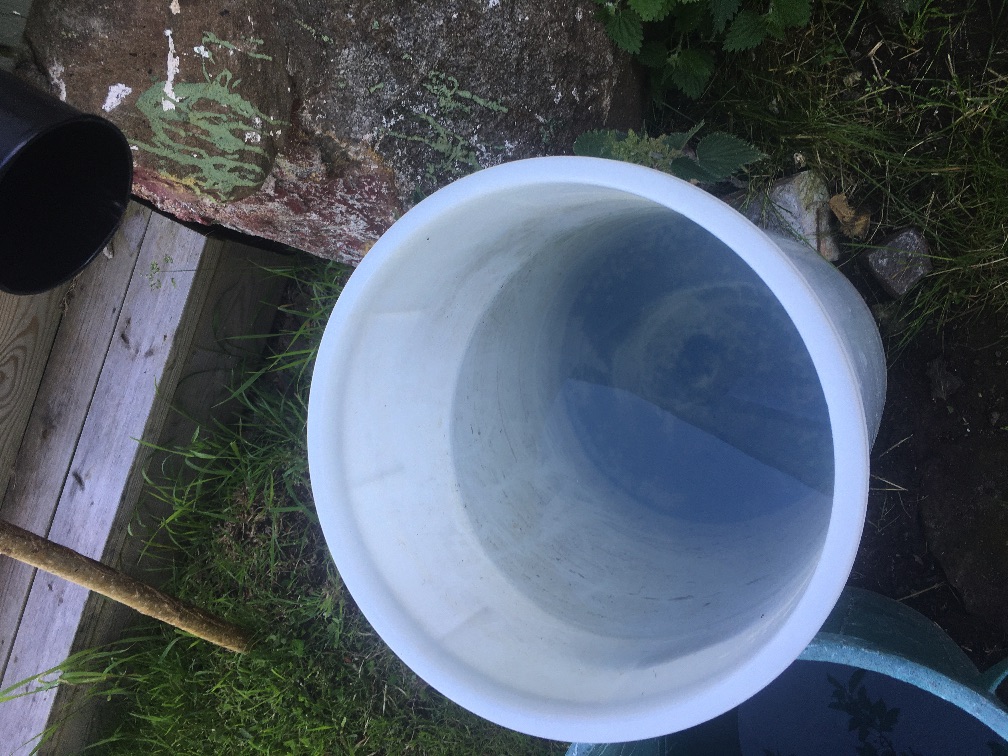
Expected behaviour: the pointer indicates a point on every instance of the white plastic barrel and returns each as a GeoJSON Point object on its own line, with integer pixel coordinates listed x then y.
{"type": "Point", "coordinates": [590, 450]}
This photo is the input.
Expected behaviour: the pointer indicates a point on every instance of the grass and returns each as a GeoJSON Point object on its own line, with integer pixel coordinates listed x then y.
{"type": "Point", "coordinates": [908, 118]}
{"type": "Point", "coordinates": [241, 539]}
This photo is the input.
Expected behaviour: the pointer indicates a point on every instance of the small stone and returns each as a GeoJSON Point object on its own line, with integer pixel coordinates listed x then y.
{"type": "Point", "coordinates": [798, 206]}
{"type": "Point", "coordinates": [853, 222]}
{"type": "Point", "coordinates": [900, 261]}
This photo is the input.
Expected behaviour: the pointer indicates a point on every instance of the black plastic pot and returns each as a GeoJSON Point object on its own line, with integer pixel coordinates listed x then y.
{"type": "Point", "coordinates": [65, 180]}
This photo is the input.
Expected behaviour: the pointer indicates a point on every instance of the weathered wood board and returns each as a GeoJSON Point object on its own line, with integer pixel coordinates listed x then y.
{"type": "Point", "coordinates": [114, 412]}
{"type": "Point", "coordinates": [59, 406]}
{"type": "Point", "coordinates": [121, 339]}
{"type": "Point", "coordinates": [27, 329]}
{"type": "Point", "coordinates": [242, 302]}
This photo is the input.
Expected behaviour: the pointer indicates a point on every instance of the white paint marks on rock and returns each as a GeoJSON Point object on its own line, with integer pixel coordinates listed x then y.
{"type": "Point", "coordinates": [254, 137]}
{"type": "Point", "coordinates": [56, 71]}
{"type": "Point", "coordinates": [170, 98]}
{"type": "Point", "coordinates": [116, 94]}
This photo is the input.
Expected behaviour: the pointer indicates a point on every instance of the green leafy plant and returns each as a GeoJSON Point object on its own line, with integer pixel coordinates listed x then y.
{"type": "Point", "coordinates": [915, 134]}
{"type": "Point", "coordinates": [716, 156]}
{"type": "Point", "coordinates": [679, 40]}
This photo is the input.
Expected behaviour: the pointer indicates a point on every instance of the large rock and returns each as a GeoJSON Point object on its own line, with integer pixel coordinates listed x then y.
{"type": "Point", "coordinates": [797, 207]}
{"type": "Point", "coordinates": [900, 261]}
{"type": "Point", "coordinates": [315, 123]}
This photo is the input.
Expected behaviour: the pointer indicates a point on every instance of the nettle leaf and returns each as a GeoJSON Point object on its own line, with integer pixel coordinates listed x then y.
{"type": "Point", "coordinates": [626, 29]}
{"type": "Point", "coordinates": [722, 12]}
{"type": "Point", "coordinates": [722, 154]}
{"type": "Point", "coordinates": [747, 30]}
{"type": "Point", "coordinates": [651, 10]}
{"type": "Point", "coordinates": [689, 170]}
{"type": "Point", "coordinates": [690, 70]}
{"type": "Point", "coordinates": [597, 143]}
{"type": "Point", "coordinates": [678, 140]}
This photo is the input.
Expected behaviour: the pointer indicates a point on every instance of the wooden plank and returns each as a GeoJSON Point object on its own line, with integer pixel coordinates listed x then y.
{"type": "Point", "coordinates": [91, 307]}
{"type": "Point", "coordinates": [27, 329]}
{"type": "Point", "coordinates": [242, 302]}
{"type": "Point", "coordinates": [173, 271]}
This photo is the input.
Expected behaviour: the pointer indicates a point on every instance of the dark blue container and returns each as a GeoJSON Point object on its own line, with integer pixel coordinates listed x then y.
{"type": "Point", "coordinates": [65, 180]}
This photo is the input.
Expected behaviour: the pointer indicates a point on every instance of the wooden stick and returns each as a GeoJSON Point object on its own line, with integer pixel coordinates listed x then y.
{"type": "Point", "coordinates": [66, 563]}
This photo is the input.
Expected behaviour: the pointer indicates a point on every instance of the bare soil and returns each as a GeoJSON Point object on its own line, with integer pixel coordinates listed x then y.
{"type": "Point", "coordinates": [936, 533]}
